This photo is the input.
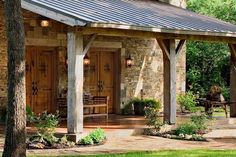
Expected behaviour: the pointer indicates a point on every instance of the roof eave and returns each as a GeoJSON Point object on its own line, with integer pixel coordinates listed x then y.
{"type": "Point", "coordinates": [161, 30]}
{"type": "Point", "coordinates": [52, 14]}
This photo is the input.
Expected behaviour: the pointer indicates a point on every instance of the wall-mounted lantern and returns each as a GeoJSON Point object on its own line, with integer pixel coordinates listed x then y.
{"type": "Point", "coordinates": [128, 61]}
{"type": "Point", "coordinates": [86, 60]}
{"type": "Point", "coordinates": [44, 23]}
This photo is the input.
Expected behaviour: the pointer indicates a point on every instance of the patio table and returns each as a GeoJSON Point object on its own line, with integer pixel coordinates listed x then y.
{"type": "Point", "coordinates": [210, 104]}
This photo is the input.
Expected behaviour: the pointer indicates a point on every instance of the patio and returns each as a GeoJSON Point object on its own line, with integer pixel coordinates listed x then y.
{"type": "Point", "coordinates": [124, 135]}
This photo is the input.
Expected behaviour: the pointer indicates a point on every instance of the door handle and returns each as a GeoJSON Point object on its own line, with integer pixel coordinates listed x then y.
{"type": "Point", "coordinates": [33, 88]}
{"type": "Point", "coordinates": [102, 84]}
{"type": "Point", "coordinates": [99, 86]}
{"type": "Point", "coordinates": [36, 88]}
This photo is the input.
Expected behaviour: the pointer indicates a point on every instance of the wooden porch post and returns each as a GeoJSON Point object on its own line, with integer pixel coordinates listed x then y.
{"type": "Point", "coordinates": [75, 83]}
{"type": "Point", "coordinates": [169, 60]}
{"type": "Point", "coordinates": [233, 80]}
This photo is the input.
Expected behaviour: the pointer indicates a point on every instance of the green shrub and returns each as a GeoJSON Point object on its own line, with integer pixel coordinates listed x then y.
{"type": "Point", "coordinates": [153, 103]}
{"type": "Point", "coordinates": [45, 124]}
{"type": "Point", "coordinates": [98, 135]}
{"type": "Point", "coordinates": [187, 128]}
{"type": "Point", "coordinates": [127, 110]}
{"type": "Point", "coordinates": [152, 113]}
{"type": "Point", "coordinates": [200, 120]}
{"type": "Point", "coordinates": [197, 124]}
{"type": "Point", "coordinates": [140, 104]}
{"type": "Point", "coordinates": [87, 140]}
{"type": "Point", "coordinates": [187, 102]}
{"type": "Point", "coordinates": [225, 92]}
{"type": "Point", "coordinates": [30, 115]}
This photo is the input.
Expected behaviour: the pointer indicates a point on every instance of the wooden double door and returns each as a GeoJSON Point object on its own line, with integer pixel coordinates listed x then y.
{"type": "Point", "coordinates": [40, 79]}
{"type": "Point", "coordinates": [99, 76]}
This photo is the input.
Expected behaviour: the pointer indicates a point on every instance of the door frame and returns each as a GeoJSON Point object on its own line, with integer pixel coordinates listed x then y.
{"type": "Point", "coordinates": [117, 75]}
{"type": "Point", "coordinates": [53, 106]}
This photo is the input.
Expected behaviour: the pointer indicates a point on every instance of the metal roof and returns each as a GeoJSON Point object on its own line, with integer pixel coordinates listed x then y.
{"type": "Point", "coordinates": [127, 14]}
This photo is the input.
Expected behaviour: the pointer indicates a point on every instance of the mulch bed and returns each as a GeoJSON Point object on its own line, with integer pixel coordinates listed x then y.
{"type": "Point", "coordinates": [172, 135]}
{"type": "Point", "coordinates": [39, 145]}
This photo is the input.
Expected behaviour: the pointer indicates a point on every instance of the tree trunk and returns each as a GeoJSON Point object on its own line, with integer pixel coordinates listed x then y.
{"type": "Point", "coordinates": [15, 145]}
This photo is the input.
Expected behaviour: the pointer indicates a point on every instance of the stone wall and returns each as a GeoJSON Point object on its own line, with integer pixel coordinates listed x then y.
{"type": "Point", "coordinates": [35, 36]}
{"type": "Point", "coordinates": [55, 35]}
{"type": "Point", "coordinates": [147, 70]}
{"type": "Point", "coordinates": [146, 73]}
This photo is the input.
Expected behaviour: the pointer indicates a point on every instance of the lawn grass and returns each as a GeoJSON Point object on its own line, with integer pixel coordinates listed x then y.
{"type": "Point", "coordinates": [166, 153]}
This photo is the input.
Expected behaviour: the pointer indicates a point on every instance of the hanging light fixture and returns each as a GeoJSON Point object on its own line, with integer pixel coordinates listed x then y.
{"type": "Point", "coordinates": [44, 23]}
{"type": "Point", "coordinates": [128, 61]}
{"type": "Point", "coordinates": [86, 60]}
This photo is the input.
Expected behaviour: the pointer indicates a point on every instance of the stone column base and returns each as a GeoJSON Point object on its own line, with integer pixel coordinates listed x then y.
{"type": "Point", "coordinates": [75, 137]}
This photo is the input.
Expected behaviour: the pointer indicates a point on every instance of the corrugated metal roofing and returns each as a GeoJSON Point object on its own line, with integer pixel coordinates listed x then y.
{"type": "Point", "coordinates": [139, 13]}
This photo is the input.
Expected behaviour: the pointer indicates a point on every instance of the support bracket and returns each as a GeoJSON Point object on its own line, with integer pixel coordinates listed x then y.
{"type": "Point", "coordinates": [163, 47]}
{"type": "Point", "coordinates": [166, 51]}
{"type": "Point", "coordinates": [179, 47]}
{"type": "Point", "coordinates": [89, 44]}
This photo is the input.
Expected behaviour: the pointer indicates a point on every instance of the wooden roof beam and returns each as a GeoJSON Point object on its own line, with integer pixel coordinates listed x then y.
{"type": "Point", "coordinates": [159, 35]}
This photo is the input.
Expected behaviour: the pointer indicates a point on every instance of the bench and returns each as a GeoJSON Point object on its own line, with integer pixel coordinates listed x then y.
{"type": "Point", "coordinates": [90, 102]}
{"type": "Point", "coordinates": [97, 102]}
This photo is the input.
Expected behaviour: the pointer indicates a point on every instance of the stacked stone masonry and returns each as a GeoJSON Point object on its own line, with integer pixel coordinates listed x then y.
{"type": "Point", "coordinates": [146, 73]}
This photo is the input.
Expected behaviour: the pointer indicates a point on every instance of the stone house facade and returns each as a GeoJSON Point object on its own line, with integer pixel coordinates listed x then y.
{"type": "Point", "coordinates": [145, 74]}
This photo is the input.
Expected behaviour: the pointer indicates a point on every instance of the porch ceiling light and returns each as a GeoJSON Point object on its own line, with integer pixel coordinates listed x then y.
{"type": "Point", "coordinates": [44, 23]}
{"type": "Point", "coordinates": [86, 60]}
{"type": "Point", "coordinates": [128, 61]}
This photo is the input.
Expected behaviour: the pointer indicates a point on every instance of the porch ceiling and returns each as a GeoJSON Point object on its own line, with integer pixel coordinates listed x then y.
{"type": "Point", "coordinates": [151, 16]}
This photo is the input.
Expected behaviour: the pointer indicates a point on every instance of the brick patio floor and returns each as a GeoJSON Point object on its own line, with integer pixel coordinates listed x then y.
{"type": "Point", "coordinates": [123, 136]}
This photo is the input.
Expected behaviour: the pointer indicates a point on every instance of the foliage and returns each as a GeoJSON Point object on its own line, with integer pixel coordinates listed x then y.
{"type": "Point", "coordinates": [208, 63]}
{"type": "Point", "coordinates": [97, 135]}
{"type": "Point", "coordinates": [187, 102]}
{"type": "Point", "coordinates": [196, 125]}
{"type": "Point", "coordinates": [153, 118]}
{"type": "Point", "coordinates": [45, 124]}
{"type": "Point", "coordinates": [87, 140]}
{"type": "Point", "coordinates": [225, 92]}
{"type": "Point", "coordinates": [128, 108]}
{"type": "Point", "coordinates": [140, 104]}
{"type": "Point", "coordinates": [200, 120]}
{"type": "Point", "coordinates": [29, 114]}
{"type": "Point", "coordinates": [64, 141]}
{"type": "Point", "coordinates": [186, 128]}
{"type": "Point", "coordinates": [153, 103]}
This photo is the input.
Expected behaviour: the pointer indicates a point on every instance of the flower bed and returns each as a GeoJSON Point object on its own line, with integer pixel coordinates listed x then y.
{"type": "Point", "coordinates": [192, 130]}
{"type": "Point", "coordinates": [45, 137]}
